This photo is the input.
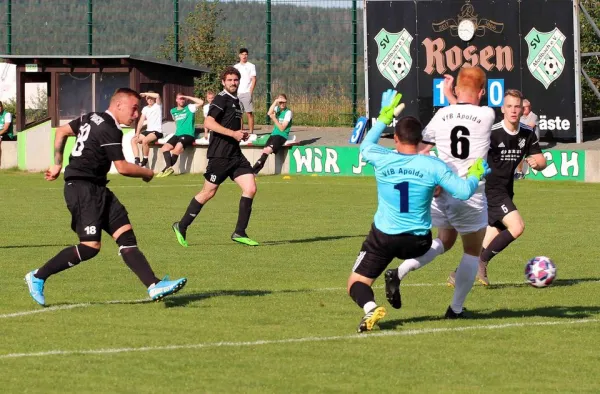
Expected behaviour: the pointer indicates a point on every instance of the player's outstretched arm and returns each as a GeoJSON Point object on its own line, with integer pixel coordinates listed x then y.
{"type": "Point", "coordinates": [62, 133]}
{"type": "Point", "coordinates": [134, 171]}
{"type": "Point", "coordinates": [390, 107]}
{"type": "Point", "coordinates": [460, 188]}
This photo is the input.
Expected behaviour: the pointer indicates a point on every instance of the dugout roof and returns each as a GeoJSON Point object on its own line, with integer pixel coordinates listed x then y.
{"type": "Point", "coordinates": [78, 84]}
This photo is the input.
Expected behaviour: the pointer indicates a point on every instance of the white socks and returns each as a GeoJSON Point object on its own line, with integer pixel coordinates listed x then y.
{"type": "Point", "coordinates": [369, 306]}
{"type": "Point", "coordinates": [437, 248]}
{"type": "Point", "coordinates": [465, 276]}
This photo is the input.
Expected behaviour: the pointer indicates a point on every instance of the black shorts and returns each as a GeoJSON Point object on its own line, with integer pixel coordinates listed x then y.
{"type": "Point", "coordinates": [499, 205]}
{"type": "Point", "coordinates": [186, 140]}
{"type": "Point", "coordinates": [219, 168]}
{"type": "Point", "coordinates": [276, 142]}
{"type": "Point", "coordinates": [93, 208]}
{"type": "Point", "coordinates": [379, 249]}
{"type": "Point", "coordinates": [5, 137]}
{"type": "Point", "coordinates": [146, 133]}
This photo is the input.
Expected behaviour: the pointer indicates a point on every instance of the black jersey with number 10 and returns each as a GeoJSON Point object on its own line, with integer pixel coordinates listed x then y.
{"type": "Point", "coordinates": [507, 149]}
{"type": "Point", "coordinates": [98, 144]}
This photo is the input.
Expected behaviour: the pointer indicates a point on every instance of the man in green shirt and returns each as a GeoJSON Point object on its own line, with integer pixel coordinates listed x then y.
{"type": "Point", "coordinates": [281, 116]}
{"type": "Point", "coordinates": [185, 131]}
{"type": "Point", "coordinates": [6, 127]}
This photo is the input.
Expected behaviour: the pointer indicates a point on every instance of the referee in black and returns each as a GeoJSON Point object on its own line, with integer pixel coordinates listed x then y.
{"type": "Point", "coordinates": [225, 159]}
{"type": "Point", "coordinates": [94, 208]}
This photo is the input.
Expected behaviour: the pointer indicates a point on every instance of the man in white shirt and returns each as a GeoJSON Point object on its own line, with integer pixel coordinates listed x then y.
{"type": "Point", "coordinates": [152, 116]}
{"type": "Point", "coordinates": [247, 84]}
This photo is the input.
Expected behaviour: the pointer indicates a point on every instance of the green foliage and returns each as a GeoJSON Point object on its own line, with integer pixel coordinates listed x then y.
{"type": "Point", "coordinates": [204, 42]}
{"type": "Point", "coordinates": [311, 46]}
{"type": "Point", "coordinates": [38, 108]}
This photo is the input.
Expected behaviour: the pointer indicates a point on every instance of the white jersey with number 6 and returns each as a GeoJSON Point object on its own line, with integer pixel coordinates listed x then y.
{"type": "Point", "coordinates": [461, 134]}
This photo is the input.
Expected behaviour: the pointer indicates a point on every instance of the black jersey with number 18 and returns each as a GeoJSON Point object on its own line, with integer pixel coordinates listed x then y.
{"type": "Point", "coordinates": [507, 149]}
{"type": "Point", "coordinates": [98, 144]}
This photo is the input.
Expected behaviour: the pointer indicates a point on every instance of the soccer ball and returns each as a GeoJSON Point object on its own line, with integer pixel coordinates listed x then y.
{"type": "Point", "coordinates": [400, 65]}
{"type": "Point", "coordinates": [540, 271]}
{"type": "Point", "coordinates": [551, 66]}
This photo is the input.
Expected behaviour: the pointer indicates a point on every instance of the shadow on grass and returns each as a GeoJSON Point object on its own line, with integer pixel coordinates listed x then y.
{"type": "Point", "coordinates": [565, 312]}
{"type": "Point", "coordinates": [556, 283]}
{"type": "Point", "coordinates": [186, 299]}
{"type": "Point", "coordinates": [313, 239]}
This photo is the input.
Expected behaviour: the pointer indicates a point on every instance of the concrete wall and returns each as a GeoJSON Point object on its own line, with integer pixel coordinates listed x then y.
{"type": "Point", "coordinates": [35, 149]}
{"type": "Point", "coordinates": [592, 166]}
{"type": "Point", "coordinates": [8, 150]}
{"type": "Point", "coordinates": [194, 160]}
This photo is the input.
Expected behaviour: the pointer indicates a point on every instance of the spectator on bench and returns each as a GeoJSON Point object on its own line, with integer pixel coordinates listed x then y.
{"type": "Point", "coordinates": [281, 116]}
{"type": "Point", "coordinates": [185, 131]}
{"type": "Point", "coordinates": [6, 127]}
{"type": "Point", "coordinates": [152, 114]}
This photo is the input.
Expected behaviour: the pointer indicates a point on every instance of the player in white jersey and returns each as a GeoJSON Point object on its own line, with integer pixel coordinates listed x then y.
{"type": "Point", "coordinates": [461, 133]}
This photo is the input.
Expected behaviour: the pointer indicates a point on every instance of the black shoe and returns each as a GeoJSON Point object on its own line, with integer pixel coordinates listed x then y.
{"type": "Point", "coordinates": [137, 161]}
{"type": "Point", "coordinates": [392, 288]}
{"type": "Point", "coordinates": [450, 314]}
{"type": "Point", "coordinates": [144, 163]}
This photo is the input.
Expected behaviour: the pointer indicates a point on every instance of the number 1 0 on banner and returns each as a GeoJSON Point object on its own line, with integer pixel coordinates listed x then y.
{"type": "Point", "coordinates": [495, 92]}
{"type": "Point", "coordinates": [439, 100]}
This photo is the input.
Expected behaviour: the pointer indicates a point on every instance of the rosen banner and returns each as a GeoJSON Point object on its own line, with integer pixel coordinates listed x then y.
{"type": "Point", "coordinates": [522, 45]}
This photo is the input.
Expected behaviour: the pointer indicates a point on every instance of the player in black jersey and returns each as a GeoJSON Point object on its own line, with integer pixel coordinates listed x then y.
{"type": "Point", "coordinates": [225, 159]}
{"type": "Point", "coordinates": [511, 141]}
{"type": "Point", "coordinates": [93, 206]}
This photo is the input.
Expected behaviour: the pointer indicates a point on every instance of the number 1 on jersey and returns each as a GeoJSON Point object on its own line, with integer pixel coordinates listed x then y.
{"type": "Point", "coordinates": [403, 189]}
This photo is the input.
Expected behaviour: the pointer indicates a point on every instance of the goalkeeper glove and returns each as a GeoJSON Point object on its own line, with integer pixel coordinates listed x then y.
{"type": "Point", "coordinates": [390, 106]}
{"type": "Point", "coordinates": [479, 169]}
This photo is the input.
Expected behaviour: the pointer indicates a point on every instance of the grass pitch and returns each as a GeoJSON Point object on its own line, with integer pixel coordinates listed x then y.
{"type": "Point", "coordinates": [276, 318]}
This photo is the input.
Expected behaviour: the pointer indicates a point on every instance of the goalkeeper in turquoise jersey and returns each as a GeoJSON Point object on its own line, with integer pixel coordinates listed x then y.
{"type": "Point", "coordinates": [405, 185]}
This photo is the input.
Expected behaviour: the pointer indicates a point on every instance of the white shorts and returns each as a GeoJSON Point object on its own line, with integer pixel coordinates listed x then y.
{"type": "Point", "coordinates": [246, 100]}
{"type": "Point", "coordinates": [464, 216]}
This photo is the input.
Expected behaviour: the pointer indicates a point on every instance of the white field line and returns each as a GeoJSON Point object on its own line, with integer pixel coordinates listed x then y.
{"type": "Point", "coordinates": [209, 345]}
{"type": "Point", "coordinates": [208, 294]}
{"type": "Point", "coordinates": [218, 293]}
{"type": "Point", "coordinates": [71, 306]}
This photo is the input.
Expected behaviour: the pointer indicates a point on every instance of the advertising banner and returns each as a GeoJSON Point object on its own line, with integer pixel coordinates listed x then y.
{"type": "Point", "coordinates": [529, 46]}
{"type": "Point", "coordinates": [322, 160]}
